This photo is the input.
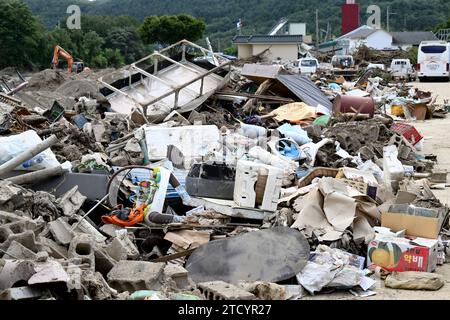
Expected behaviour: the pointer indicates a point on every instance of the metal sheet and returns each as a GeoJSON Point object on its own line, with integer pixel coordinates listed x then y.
{"type": "Point", "coordinates": [260, 71]}
{"type": "Point", "coordinates": [305, 89]}
{"type": "Point", "coordinates": [267, 255]}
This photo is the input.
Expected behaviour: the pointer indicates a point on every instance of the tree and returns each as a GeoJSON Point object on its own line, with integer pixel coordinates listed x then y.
{"type": "Point", "coordinates": [114, 58]}
{"type": "Point", "coordinates": [21, 35]}
{"type": "Point", "coordinates": [91, 48]}
{"type": "Point", "coordinates": [170, 29]}
{"type": "Point", "coordinates": [127, 41]}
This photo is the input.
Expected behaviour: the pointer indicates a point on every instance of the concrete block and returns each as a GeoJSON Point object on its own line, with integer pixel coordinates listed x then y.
{"type": "Point", "coordinates": [50, 271]}
{"type": "Point", "coordinates": [110, 229]}
{"type": "Point", "coordinates": [16, 272]}
{"type": "Point", "coordinates": [4, 238]}
{"type": "Point", "coordinates": [120, 161]}
{"type": "Point", "coordinates": [27, 239]}
{"type": "Point", "coordinates": [61, 231]}
{"type": "Point", "coordinates": [11, 196]}
{"type": "Point", "coordinates": [18, 251]}
{"type": "Point", "coordinates": [97, 286]}
{"type": "Point", "coordinates": [41, 256]}
{"type": "Point", "coordinates": [366, 153]}
{"type": "Point", "coordinates": [265, 290]}
{"type": "Point", "coordinates": [8, 217]}
{"type": "Point", "coordinates": [82, 246]}
{"type": "Point", "coordinates": [74, 274]}
{"type": "Point", "coordinates": [178, 274]}
{"type": "Point", "coordinates": [136, 275]}
{"type": "Point", "coordinates": [412, 280]}
{"type": "Point", "coordinates": [54, 250]}
{"type": "Point", "coordinates": [404, 152]}
{"type": "Point", "coordinates": [103, 261]}
{"type": "Point", "coordinates": [71, 201]}
{"type": "Point", "coordinates": [22, 293]}
{"type": "Point", "coordinates": [21, 226]}
{"type": "Point", "coordinates": [125, 241]}
{"type": "Point", "coordinates": [85, 227]}
{"type": "Point", "coordinates": [219, 290]}
{"type": "Point", "coordinates": [117, 250]}
{"type": "Point", "coordinates": [439, 176]}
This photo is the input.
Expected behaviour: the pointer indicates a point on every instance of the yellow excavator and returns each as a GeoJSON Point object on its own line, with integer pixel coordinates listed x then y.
{"type": "Point", "coordinates": [74, 67]}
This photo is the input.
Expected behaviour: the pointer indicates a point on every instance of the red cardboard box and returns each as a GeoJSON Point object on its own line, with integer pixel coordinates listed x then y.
{"type": "Point", "coordinates": [401, 254]}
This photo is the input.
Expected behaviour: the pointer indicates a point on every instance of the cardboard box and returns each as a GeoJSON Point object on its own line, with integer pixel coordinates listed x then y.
{"type": "Point", "coordinates": [417, 222]}
{"type": "Point", "coordinates": [401, 254]}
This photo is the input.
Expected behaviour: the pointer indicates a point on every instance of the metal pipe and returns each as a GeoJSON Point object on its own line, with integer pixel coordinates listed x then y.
{"type": "Point", "coordinates": [90, 211]}
{"type": "Point", "coordinates": [36, 176]}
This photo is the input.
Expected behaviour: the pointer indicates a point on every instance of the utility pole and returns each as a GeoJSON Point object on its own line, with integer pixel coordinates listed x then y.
{"type": "Point", "coordinates": [387, 26]}
{"type": "Point", "coordinates": [317, 29]}
{"type": "Point", "coordinates": [389, 13]}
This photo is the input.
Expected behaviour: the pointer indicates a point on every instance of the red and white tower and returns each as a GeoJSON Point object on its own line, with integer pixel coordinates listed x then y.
{"type": "Point", "coordinates": [350, 16]}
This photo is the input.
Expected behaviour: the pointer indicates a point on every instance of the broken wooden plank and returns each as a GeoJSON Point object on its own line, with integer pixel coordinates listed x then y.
{"type": "Point", "coordinates": [263, 88]}
{"type": "Point", "coordinates": [174, 256]}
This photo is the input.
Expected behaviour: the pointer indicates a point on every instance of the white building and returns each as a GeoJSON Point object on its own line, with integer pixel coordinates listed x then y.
{"type": "Point", "coordinates": [277, 47]}
{"type": "Point", "coordinates": [376, 39]}
{"type": "Point", "coordinates": [373, 38]}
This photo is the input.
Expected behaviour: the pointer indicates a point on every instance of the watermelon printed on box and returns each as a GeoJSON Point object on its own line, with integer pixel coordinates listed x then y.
{"type": "Point", "coordinates": [401, 254]}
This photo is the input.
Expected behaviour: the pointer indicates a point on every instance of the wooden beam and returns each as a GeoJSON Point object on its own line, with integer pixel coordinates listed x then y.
{"type": "Point", "coordinates": [174, 256]}
{"type": "Point", "coordinates": [263, 88]}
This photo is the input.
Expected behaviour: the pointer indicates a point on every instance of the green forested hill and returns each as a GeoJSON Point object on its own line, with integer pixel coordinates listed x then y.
{"type": "Point", "coordinates": [258, 16]}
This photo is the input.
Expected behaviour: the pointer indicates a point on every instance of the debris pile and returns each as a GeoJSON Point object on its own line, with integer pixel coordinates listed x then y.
{"type": "Point", "coordinates": [198, 178]}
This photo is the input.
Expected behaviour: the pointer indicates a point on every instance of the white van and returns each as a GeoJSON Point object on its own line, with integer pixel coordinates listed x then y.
{"type": "Point", "coordinates": [376, 66]}
{"type": "Point", "coordinates": [433, 60]}
{"type": "Point", "coordinates": [307, 65]}
{"type": "Point", "coordinates": [402, 68]}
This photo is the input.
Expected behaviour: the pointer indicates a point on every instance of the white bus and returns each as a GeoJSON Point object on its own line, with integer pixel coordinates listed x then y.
{"type": "Point", "coordinates": [433, 60]}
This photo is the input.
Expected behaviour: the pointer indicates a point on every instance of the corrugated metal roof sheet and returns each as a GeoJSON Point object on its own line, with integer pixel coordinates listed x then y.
{"type": "Point", "coordinates": [306, 90]}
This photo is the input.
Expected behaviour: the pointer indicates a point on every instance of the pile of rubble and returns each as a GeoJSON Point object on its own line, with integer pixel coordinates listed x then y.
{"type": "Point", "coordinates": [195, 178]}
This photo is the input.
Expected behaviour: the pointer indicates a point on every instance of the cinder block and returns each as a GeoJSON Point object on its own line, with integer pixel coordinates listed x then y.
{"type": "Point", "coordinates": [125, 241]}
{"type": "Point", "coordinates": [438, 176]}
{"type": "Point", "coordinates": [103, 261]}
{"type": "Point", "coordinates": [15, 272]}
{"type": "Point", "coordinates": [18, 251]}
{"type": "Point", "coordinates": [136, 275]}
{"type": "Point", "coordinates": [21, 226]}
{"type": "Point", "coordinates": [8, 217]}
{"type": "Point", "coordinates": [71, 201]}
{"type": "Point", "coordinates": [97, 286]}
{"type": "Point", "coordinates": [54, 249]}
{"type": "Point", "coordinates": [110, 229]}
{"type": "Point", "coordinates": [219, 290]}
{"type": "Point", "coordinates": [61, 231]}
{"type": "Point", "coordinates": [22, 293]}
{"type": "Point", "coordinates": [82, 247]}
{"type": "Point", "coordinates": [178, 274]}
{"type": "Point", "coordinates": [85, 227]}
{"type": "Point", "coordinates": [26, 239]}
{"type": "Point", "coordinates": [117, 250]}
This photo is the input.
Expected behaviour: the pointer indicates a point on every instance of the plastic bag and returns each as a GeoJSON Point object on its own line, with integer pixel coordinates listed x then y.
{"type": "Point", "coordinates": [12, 146]}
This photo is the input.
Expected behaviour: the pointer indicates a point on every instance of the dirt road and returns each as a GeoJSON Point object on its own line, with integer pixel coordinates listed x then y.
{"type": "Point", "coordinates": [437, 141]}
